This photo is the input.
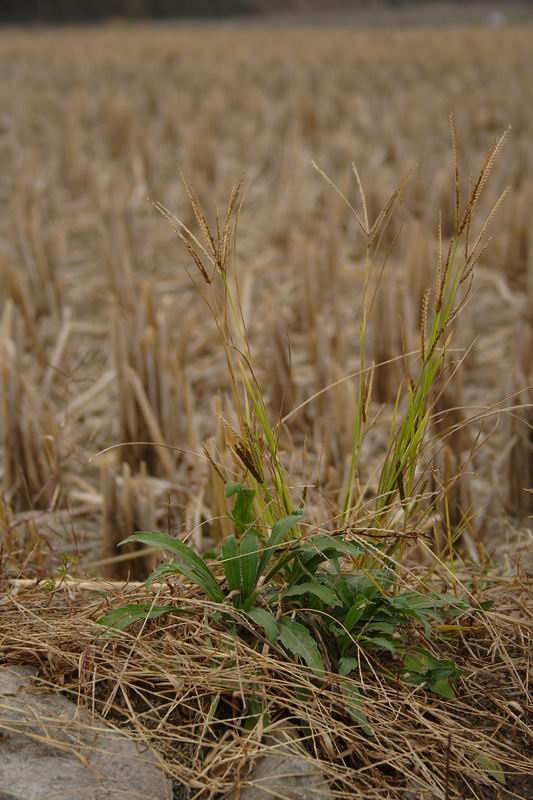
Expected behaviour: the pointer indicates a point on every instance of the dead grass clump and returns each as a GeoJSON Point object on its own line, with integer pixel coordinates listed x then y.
{"type": "Point", "coordinates": [154, 393]}
{"type": "Point", "coordinates": [185, 688]}
{"type": "Point", "coordinates": [31, 434]}
{"type": "Point", "coordinates": [519, 454]}
{"type": "Point", "coordinates": [128, 504]}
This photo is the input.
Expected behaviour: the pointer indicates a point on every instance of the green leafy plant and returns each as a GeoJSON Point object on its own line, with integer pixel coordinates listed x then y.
{"type": "Point", "coordinates": [423, 668]}
{"type": "Point", "coordinates": [308, 596]}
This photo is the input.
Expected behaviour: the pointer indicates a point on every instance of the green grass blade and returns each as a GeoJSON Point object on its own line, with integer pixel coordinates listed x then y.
{"type": "Point", "coordinates": [249, 551]}
{"type": "Point", "coordinates": [231, 562]}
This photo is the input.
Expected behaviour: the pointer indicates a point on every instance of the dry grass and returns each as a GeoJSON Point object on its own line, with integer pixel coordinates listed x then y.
{"type": "Point", "coordinates": [183, 687]}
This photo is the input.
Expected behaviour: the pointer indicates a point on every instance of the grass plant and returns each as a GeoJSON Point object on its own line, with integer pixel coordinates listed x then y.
{"type": "Point", "coordinates": [328, 598]}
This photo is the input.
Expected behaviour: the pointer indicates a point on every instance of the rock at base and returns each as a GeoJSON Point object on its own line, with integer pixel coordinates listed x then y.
{"type": "Point", "coordinates": [52, 750]}
{"type": "Point", "coordinates": [284, 772]}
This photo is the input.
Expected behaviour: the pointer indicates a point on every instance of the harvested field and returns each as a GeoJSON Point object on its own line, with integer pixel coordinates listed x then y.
{"type": "Point", "coordinates": [118, 411]}
{"type": "Point", "coordinates": [104, 340]}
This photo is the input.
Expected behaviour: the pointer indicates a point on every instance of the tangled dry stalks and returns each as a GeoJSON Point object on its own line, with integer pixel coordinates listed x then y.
{"type": "Point", "coordinates": [183, 687]}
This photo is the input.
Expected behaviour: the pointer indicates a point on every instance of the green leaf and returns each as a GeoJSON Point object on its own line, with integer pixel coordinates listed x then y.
{"type": "Point", "coordinates": [419, 660]}
{"type": "Point", "coordinates": [492, 767]}
{"type": "Point", "coordinates": [486, 605]}
{"type": "Point", "coordinates": [355, 613]}
{"type": "Point", "coordinates": [193, 566]}
{"type": "Point", "coordinates": [356, 586]}
{"type": "Point", "coordinates": [242, 514]}
{"type": "Point", "coordinates": [354, 705]}
{"type": "Point", "coordinates": [265, 620]}
{"type": "Point", "coordinates": [347, 664]}
{"type": "Point", "coordinates": [326, 543]}
{"type": "Point", "coordinates": [280, 530]}
{"type": "Point", "coordinates": [324, 593]}
{"type": "Point", "coordinates": [211, 588]}
{"type": "Point", "coordinates": [327, 548]}
{"type": "Point", "coordinates": [413, 678]}
{"type": "Point", "coordinates": [442, 687]}
{"type": "Point", "coordinates": [297, 639]}
{"type": "Point", "coordinates": [120, 618]}
{"type": "Point", "coordinates": [431, 604]}
{"type": "Point", "coordinates": [249, 551]}
{"type": "Point", "coordinates": [380, 642]}
{"type": "Point", "coordinates": [422, 667]}
{"type": "Point", "coordinates": [170, 544]}
{"type": "Point", "coordinates": [387, 628]}
{"type": "Point", "coordinates": [161, 572]}
{"type": "Point", "coordinates": [231, 562]}
{"type": "Point", "coordinates": [232, 488]}
{"type": "Point", "coordinates": [279, 565]}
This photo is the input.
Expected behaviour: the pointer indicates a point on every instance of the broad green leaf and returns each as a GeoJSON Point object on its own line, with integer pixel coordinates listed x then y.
{"type": "Point", "coordinates": [432, 603]}
{"type": "Point", "coordinates": [451, 605]}
{"type": "Point", "coordinates": [325, 543]}
{"type": "Point", "coordinates": [347, 665]}
{"type": "Point", "coordinates": [210, 587]}
{"type": "Point", "coordinates": [414, 678]}
{"type": "Point", "coordinates": [422, 617]}
{"type": "Point", "coordinates": [324, 593]}
{"type": "Point", "coordinates": [231, 562]}
{"type": "Point", "coordinates": [297, 639]}
{"type": "Point", "coordinates": [442, 687]}
{"type": "Point", "coordinates": [193, 566]}
{"type": "Point", "coordinates": [440, 675]}
{"type": "Point", "coordinates": [344, 591]}
{"type": "Point", "coordinates": [381, 642]}
{"type": "Point", "coordinates": [242, 514]}
{"type": "Point", "coordinates": [172, 545]}
{"type": "Point", "coordinates": [492, 767]}
{"type": "Point", "coordinates": [362, 586]}
{"type": "Point", "coordinates": [280, 530]}
{"type": "Point", "coordinates": [354, 704]}
{"type": "Point", "coordinates": [232, 488]}
{"type": "Point", "coordinates": [419, 661]}
{"type": "Point", "coordinates": [327, 548]}
{"type": "Point", "coordinates": [266, 620]}
{"type": "Point", "coordinates": [355, 613]}
{"type": "Point", "coordinates": [249, 550]}
{"type": "Point", "coordinates": [120, 618]}
{"type": "Point", "coordinates": [387, 628]}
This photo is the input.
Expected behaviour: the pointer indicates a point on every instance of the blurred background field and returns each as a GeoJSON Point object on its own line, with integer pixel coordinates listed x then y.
{"type": "Point", "coordinates": [103, 339]}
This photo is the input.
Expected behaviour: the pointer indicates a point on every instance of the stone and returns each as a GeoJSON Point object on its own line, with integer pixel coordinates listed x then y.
{"type": "Point", "coordinates": [284, 772]}
{"type": "Point", "coordinates": [52, 750]}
